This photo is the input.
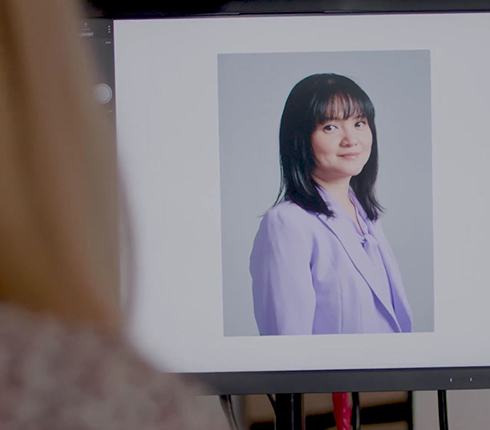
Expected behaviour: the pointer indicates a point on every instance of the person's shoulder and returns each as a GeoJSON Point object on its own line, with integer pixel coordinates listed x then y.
{"type": "Point", "coordinates": [287, 211]}
{"type": "Point", "coordinates": [67, 370]}
{"type": "Point", "coordinates": [288, 214]}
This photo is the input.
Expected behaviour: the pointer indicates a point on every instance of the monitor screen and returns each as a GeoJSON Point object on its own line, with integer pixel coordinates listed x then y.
{"type": "Point", "coordinates": [307, 193]}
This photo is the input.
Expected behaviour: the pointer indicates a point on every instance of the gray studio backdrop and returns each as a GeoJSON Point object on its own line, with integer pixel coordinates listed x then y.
{"type": "Point", "coordinates": [252, 91]}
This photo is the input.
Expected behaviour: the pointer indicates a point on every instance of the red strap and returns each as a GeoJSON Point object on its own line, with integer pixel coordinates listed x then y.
{"type": "Point", "coordinates": [342, 410]}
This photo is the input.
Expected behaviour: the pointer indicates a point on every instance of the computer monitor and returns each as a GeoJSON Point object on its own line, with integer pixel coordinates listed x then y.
{"type": "Point", "coordinates": [256, 267]}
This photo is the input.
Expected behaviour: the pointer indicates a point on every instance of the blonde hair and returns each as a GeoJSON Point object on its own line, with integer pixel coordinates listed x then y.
{"type": "Point", "coordinates": [58, 173]}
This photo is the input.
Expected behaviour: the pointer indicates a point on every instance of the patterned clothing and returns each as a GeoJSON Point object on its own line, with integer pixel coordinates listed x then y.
{"type": "Point", "coordinates": [59, 377]}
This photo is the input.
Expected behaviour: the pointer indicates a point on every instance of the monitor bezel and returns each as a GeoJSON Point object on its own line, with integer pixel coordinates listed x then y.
{"type": "Point", "coordinates": [150, 9]}
{"type": "Point", "coordinates": [358, 380]}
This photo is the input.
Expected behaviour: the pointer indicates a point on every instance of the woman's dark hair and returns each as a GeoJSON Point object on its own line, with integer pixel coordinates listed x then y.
{"type": "Point", "coordinates": [313, 101]}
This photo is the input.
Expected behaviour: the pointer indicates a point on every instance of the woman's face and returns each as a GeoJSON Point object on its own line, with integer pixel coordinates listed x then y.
{"type": "Point", "coordinates": [341, 148]}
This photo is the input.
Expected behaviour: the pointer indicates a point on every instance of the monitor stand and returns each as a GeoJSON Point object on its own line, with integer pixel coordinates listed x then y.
{"type": "Point", "coordinates": [289, 412]}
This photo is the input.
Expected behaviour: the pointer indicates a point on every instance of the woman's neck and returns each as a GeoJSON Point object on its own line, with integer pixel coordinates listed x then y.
{"type": "Point", "coordinates": [339, 190]}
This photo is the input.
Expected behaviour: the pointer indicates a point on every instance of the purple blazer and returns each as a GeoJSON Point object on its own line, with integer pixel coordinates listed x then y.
{"type": "Point", "coordinates": [311, 275]}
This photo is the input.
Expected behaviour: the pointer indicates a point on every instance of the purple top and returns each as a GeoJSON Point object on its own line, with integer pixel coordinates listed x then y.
{"type": "Point", "coordinates": [317, 275]}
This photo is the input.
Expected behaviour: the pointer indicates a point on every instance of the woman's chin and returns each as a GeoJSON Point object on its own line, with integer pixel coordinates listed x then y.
{"type": "Point", "coordinates": [353, 172]}
{"type": "Point", "coordinates": [357, 169]}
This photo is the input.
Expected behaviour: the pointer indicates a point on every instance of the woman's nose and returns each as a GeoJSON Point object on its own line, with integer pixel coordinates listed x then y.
{"type": "Point", "coordinates": [349, 138]}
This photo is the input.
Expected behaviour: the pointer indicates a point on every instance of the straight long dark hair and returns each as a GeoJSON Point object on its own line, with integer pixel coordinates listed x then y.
{"type": "Point", "coordinates": [313, 101]}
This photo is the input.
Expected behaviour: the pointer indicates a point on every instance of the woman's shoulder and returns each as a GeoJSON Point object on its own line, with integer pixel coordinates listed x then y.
{"type": "Point", "coordinates": [287, 212]}
{"type": "Point", "coordinates": [286, 220]}
{"type": "Point", "coordinates": [65, 377]}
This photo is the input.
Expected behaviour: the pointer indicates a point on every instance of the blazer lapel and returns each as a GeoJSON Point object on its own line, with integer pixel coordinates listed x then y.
{"type": "Point", "coordinates": [350, 241]}
{"type": "Point", "coordinates": [402, 307]}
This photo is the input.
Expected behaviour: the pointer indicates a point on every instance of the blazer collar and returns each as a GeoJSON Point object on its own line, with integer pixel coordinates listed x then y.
{"type": "Point", "coordinates": [341, 227]}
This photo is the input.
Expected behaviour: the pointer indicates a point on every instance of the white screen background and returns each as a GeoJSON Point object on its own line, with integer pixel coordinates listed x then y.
{"type": "Point", "coordinates": [167, 121]}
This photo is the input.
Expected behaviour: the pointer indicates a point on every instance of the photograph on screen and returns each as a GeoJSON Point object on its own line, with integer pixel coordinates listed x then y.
{"type": "Point", "coordinates": [326, 192]}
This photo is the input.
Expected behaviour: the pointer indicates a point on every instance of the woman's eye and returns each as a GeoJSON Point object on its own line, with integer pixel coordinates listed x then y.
{"type": "Point", "coordinates": [361, 123]}
{"type": "Point", "coordinates": [329, 127]}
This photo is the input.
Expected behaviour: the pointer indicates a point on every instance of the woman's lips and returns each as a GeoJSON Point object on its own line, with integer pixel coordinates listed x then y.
{"type": "Point", "coordinates": [350, 156]}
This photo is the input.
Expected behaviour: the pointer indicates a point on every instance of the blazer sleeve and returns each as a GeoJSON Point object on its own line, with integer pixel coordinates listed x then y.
{"type": "Point", "coordinates": [283, 293]}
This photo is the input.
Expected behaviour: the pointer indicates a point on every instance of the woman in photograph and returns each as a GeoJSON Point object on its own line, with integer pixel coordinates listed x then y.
{"type": "Point", "coordinates": [320, 263]}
